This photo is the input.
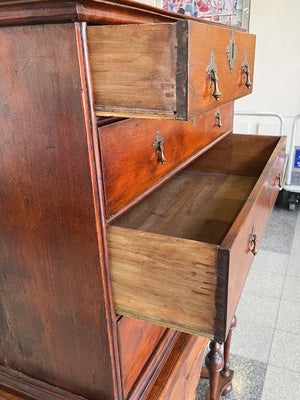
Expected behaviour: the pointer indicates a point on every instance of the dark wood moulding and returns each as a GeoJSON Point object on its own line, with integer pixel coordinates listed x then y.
{"type": "Point", "coordinates": [25, 12]}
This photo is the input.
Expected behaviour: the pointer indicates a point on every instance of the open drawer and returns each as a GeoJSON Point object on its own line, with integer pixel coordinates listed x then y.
{"type": "Point", "coordinates": [180, 258]}
{"type": "Point", "coordinates": [168, 70]}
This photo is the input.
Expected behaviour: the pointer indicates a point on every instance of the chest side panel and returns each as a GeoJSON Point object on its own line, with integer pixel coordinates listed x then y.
{"type": "Point", "coordinates": [52, 308]}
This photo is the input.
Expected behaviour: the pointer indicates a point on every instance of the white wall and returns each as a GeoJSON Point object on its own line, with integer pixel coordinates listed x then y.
{"type": "Point", "coordinates": [277, 65]}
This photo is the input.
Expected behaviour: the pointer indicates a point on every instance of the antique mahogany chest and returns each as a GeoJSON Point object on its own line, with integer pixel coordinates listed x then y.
{"type": "Point", "coordinates": [130, 213]}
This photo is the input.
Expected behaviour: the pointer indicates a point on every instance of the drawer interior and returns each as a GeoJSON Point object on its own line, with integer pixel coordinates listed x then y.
{"type": "Point", "coordinates": [201, 202]}
{"type": "Point", "coordinates": [193, 205]}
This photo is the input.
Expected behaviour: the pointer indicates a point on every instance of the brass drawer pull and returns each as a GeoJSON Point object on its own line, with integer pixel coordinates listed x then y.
{"type": "Point", "coordinates": [278, 177]}
{"type": "Point", "coordinates": [253, 243]}
{"type": "Point", "coordinates": [218, 118]}
{"type": "Point", "coordinates": [245, 68]}
{"type": "Point", "coordinates": [211, 71]}
{"type": "Point", "coordinates": [158, 144]}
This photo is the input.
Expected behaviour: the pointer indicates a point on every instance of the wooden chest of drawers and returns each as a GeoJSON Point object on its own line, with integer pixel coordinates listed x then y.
{"type": "Point", "coordinates": [121, 240]}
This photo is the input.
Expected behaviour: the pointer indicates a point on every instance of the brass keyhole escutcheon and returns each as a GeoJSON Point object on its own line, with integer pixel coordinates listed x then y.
{"type": "Point", "coordinates": [158, 144]}
{"type": "Point", "coordinates": [231, 52]}
{"type": "Point", "coordinates": [211, 71]}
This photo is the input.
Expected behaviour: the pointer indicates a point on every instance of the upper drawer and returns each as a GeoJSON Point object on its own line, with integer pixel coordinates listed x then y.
{"type": "Point", "coordinates": [180, 258]}
{"type": "Point", "coordinates": [131, 163]}
{"type": "Point", "coordinates": [168, 70]}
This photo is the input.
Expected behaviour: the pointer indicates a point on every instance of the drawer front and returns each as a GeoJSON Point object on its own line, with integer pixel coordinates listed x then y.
{"type": "Point", "coordinates": [134, 164]}
{"type": "Point", "coordinates": [180, 375]}
{"type": "Point", "coordinates": [181, 256]}
{"type": "Point", "coordinates": [137, 341]}
{"type": "Point", "coordinates": [213, 54]}
{"type": "Point", "coordinates": [251, 221]}
{"type": "Point", "coordinates": [170, 69]}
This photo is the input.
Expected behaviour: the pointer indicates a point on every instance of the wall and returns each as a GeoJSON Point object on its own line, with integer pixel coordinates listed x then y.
{"type": "Point", "coordinates": [277, 66]}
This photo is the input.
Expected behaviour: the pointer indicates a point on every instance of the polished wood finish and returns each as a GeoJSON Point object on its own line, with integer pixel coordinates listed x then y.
{"type": "Point", "coordinates": [15, 385]}
{"type": "Point", "coordinates": [52, 320]}
{"type": "Point", "coordinates": [214, 363]}
{"type": "Point", "coordinates": [131, 170]}
{"type": "Point", "coordinates": [57, 321]}
{"type": "Point", "coordinates": [243, 155]}
{"type": "Point", "coordinates": [253, 217]}
{"type": "Point", "coordinates": [137, 342]}
{"type": "Point", "coordinates": [174, 226]}
{"type": "Point", "coordinates": [168, 78]}
{"type": "Point", "coordinates": [28, 12]}
{"type": "Point", "coordinates": [181, 373]}
{"type": "Point", "coordinates": [25, 12]}
{"type": "Point", "coordinates": [220, 379]}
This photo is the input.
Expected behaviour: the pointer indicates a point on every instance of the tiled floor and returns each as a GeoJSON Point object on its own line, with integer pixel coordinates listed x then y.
{"type": "Point", "coordinates": [266, 343]}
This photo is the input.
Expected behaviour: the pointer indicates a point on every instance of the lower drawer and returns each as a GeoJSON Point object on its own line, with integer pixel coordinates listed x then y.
{"type": "Point", "coordinates": [137, 341]}
{"type": "Point", "coordinates": [180, 258]}
{"type": "Point", "coordinates": [180, 376]}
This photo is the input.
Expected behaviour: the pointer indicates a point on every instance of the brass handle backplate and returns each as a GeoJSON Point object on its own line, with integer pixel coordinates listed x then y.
{"type": "Point", "coordinates": [211, 71]}
{"type": "Point", "coordinates": [246, 71]}
{"type": "Point", "coordinates": [158, 144]}
{"type": "Point", "coordinates": [253, 243]}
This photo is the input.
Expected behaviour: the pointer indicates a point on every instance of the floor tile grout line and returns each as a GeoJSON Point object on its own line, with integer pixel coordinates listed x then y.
{"type": "Point", "coordinates": [275, 323]}
{"type": "Point", "coordinates": [277, 314]}
{"type": "Point", "coordinates": [284, 369]}
{"type": "Point", "coordinates": [280, 302]}
{"type": "Point", "coordinates": [254, 323]}
{"type": "Point", "coordinates": [264, 295]}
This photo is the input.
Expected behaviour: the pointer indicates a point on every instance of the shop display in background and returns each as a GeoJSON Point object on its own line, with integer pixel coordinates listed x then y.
{"type": "Point", "coordinates": [230, 12]}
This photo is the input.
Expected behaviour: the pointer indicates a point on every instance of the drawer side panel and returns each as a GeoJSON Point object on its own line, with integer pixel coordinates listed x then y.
{"type": "Point", "coordinates": [161, 279]}
{"type": "Point", "coordinates": [133, 67]}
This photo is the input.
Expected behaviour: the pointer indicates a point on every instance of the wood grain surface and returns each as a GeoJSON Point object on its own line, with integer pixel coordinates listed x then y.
{"type": "Point", "coordinates": [26, 12]}
{"type": "Point", "coordinates": [134, 68]}
{"type": "Point", "coordinates": [179, 379]}
{"type": "Point", "coordinates": [168, 78]}
{"type": "Point", "coordinates": [237, 154]}
{"type": "Point", "coordinates": [133, 166]}
{"type": "Point", "coordinates": [16, 386]}
{"type": "Point", "coordinates": [163, 280]}
{"type": "Point", "coordinates": [253, 218]}
{"type": "Point", "coordinates": [205, 40]}
{"type": "Point", "coordinates": [137, 342]}
{"type": "Point", "coordinates": [53, 317]}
